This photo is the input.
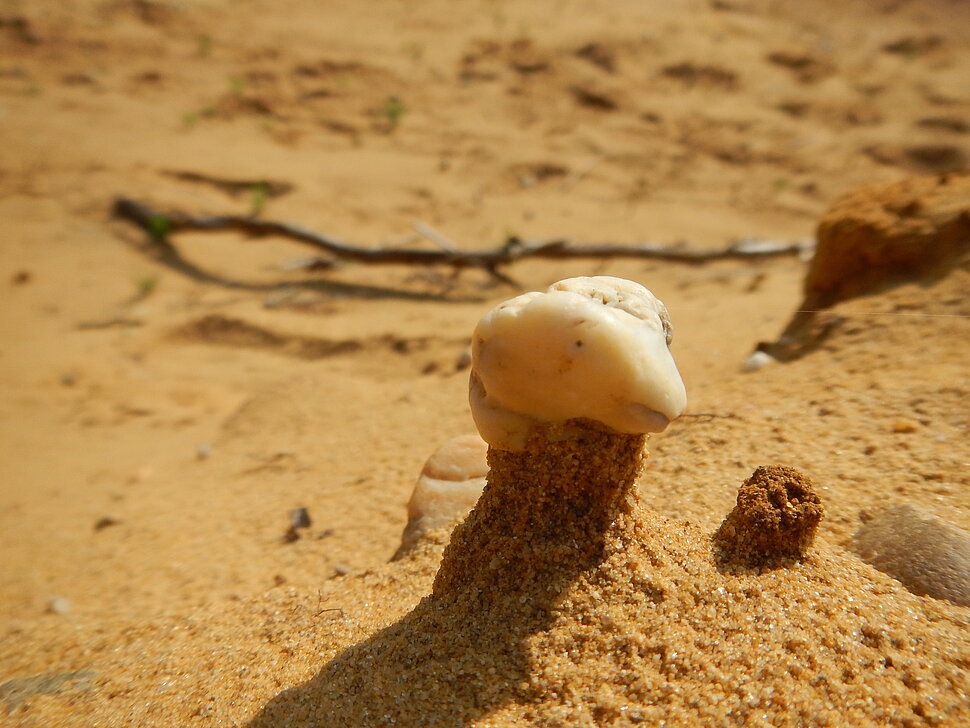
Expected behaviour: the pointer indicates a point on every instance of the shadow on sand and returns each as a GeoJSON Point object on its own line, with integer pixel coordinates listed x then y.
{"type": "Point", "coordinates": [421, 671]}
{"type": "Point", "coordinates": [548, 515]}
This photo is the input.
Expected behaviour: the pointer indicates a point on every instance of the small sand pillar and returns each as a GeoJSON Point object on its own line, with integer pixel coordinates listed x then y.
{"type": "Point", "coordinates": [564, 387]}
{"type": "Point", "coordinates": [556, 507]}
{"type": "Point", "coordinates": [776, 516]}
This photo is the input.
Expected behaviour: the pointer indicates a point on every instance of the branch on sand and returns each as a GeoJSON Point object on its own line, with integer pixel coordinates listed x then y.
{"type": "Point", "coordinates": [160, 225]}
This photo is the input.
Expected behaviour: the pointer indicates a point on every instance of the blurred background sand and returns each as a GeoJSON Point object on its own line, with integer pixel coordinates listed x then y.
{"type": "Point", "coordinates": [158, 428]}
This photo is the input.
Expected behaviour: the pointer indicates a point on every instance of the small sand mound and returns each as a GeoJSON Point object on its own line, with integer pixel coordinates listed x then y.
{"type": "Point", "coordinates": [776, 516]}
{"type": "Point", "coordinates": [927, 554]}
{"type": "Point", "coordinates": [562, 601]}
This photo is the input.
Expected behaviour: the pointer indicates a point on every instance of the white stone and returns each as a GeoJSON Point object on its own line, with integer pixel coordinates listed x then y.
{"type": "Point", "coordinates": [450, 482]}
{"type": "Point", "coordinates": [58, 605]}
{"type": "Point", "coordinates": [594, 348]}
{"type": "Point", "coordinates": [756, 360]}
{"type": "Point", "coordinates": [449, 486]}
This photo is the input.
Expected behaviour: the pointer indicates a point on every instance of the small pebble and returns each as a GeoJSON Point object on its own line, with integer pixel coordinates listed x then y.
{"type": "Point", "coordinates": [104, 522]}
{"type": "Point", "coordinates": [464, 360]}
{"type": "Point", "coordinates": [203, 450]}
{"type": "Point", "coordinates": [449, 486]}
{"type": "Point", "coordinates": [300, 518]}
{"type": "Point", "coordinates": [927, 554]}
{"type": "Point", "coordinates": [58, 605]}
{"type": "Point", "coordinates": [341, 569]}
{"type": "Point", "coordinates": [756, 360]}
{"type": "Point", "coordinates": [904, 426]}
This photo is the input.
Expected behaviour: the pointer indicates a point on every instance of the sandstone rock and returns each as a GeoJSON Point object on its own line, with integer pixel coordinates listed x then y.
{"type": "Point", "coordinates": [884, 234]}
{"type": "Point", "coordinates": [776, 516]}
{"type": "Point", "coordinates": [876, 239]}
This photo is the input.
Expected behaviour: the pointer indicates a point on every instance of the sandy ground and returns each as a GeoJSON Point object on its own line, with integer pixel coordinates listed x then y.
{"type": "Point", "coordinates": [157, 427]}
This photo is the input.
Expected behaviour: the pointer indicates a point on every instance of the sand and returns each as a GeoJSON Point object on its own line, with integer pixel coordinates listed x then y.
{"type": "Point", "coordinates": [158, 427]}
{"type": "Point", "coordinates": [562, 600]}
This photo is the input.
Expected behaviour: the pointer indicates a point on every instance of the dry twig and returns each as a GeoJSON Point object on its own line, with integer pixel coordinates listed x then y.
{"type": "Point", "coordinates": [160, 225]}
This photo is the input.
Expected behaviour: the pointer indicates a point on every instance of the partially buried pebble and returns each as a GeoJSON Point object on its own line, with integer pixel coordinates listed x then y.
{"type": "Point", "coordinates": [776, 517]}
{"type": "Point", "coordinates": [928, 555]}
{"type": "Point", "coordinates": [449, 486]}
{"type": "Point", "coordinates": [757, 360]}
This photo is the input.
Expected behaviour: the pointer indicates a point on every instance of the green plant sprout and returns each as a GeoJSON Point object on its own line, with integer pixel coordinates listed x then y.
{"type": "Point", "coordinates": [159, 226]}
{"type": "Point", "coordinates": [259, 195]}
{"type": "Point", "coordinates": [203, 45]}
{"type": "Point", "coordinates": [393, 111]}
{"type": "Point", "coordinates": [191, 118]}
{"type": "Point", "coordinates": [145, 286]}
